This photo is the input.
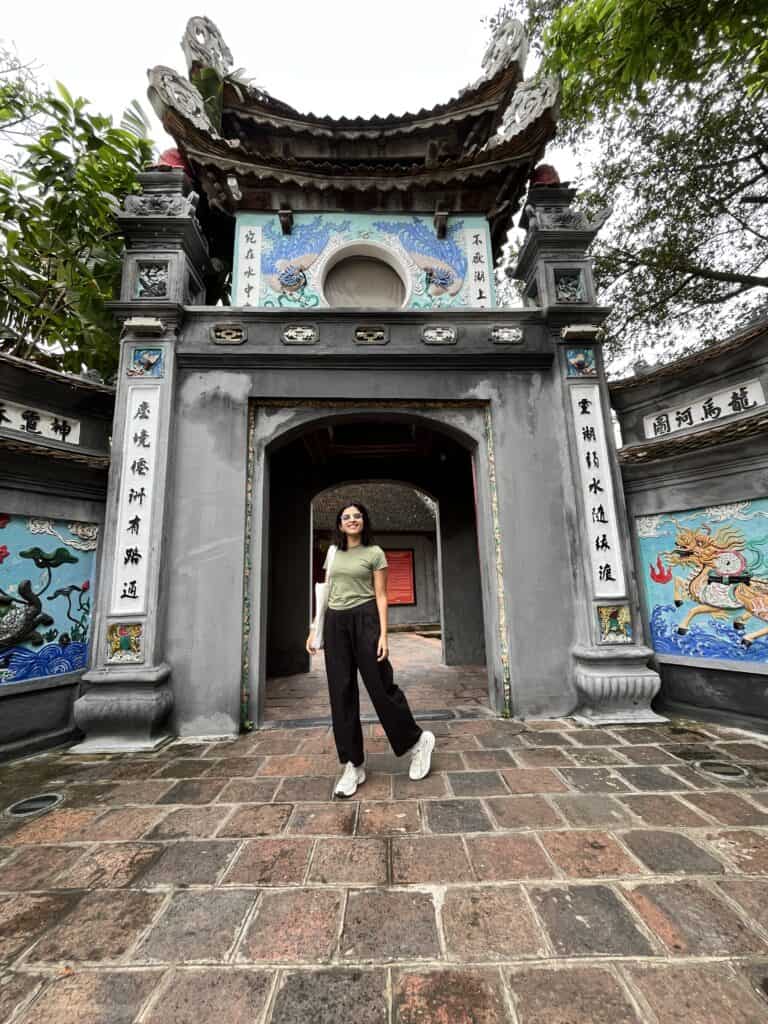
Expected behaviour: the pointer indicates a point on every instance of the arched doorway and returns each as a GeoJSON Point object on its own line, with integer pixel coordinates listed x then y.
{"type": "Point", "coordinates": [326, 452]}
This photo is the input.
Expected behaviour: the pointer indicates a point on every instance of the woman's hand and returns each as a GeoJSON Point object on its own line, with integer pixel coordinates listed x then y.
{"type": "Point", "coordinates": [311, 643]}
{"type": "Point", "coordinates": [382, 648]}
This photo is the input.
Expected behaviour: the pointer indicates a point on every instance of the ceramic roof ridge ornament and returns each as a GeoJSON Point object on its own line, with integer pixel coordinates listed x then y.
{"type": "Point", "coordinates": [167, 89]}
{"type": "Point", "coordinates": [203, 45]}
{"type": "Point", "coordinates": [530, 101]}
{"type": "Point", "coordinates": [565, 218]}
{"type": "Point", "coordinates": [508, 43]}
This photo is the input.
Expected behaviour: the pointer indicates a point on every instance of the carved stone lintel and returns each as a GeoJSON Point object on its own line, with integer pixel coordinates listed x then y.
{"type": "Point", "coordinates": [502, 334]}
{"type": "Point", "coordinates": [371, 335]}
{"type": "Point", "coordinates": [508, 43]}
{"type": "Point", "coordinates": [530, 101]}
{"type": "Point", "coordinates": [300, 334]}
{"type": "Point", "coordinates": [123, 716]}
{"type": "Point", "coordinates": [228, 334]}
{"type": "Point", "coordinates": [161, 204]}
{"type": "Point", "coordinates": [203, 44]}
{"type": "Point", "coordinates": [167, 89]}
{"type": "Point", "coordinates": [615, 685]}
{"type": "Point", "coordinates": [565, 218]}
{"type": "Point", "coordinates": [439, 334]}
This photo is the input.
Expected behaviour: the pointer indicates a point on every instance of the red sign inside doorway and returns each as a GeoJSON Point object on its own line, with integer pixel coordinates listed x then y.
{"type": "Point", "coordinates": [401, 584]}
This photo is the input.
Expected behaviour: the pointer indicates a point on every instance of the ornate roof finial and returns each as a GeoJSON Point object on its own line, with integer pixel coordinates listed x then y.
{"type": "Point", "coordinates": [530, 101]}
{"type": "Point", "coordinates": [204, 45]}
{"type": "Point", "coordinates": [169, 89]}
{"type": "Point", "coordinates": [508, 43]}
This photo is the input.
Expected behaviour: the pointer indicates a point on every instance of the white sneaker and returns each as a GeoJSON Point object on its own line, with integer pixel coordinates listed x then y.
{"type": "Point", "coordinates": [351, 778]}
{"type": "Point", "coordinates": [421, 756]}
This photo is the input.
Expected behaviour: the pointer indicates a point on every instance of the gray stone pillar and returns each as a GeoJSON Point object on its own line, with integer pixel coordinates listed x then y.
{"type": "Point", "coordinates": [610, 670]}
{"type": "Point", "coordinates": [129, 697]}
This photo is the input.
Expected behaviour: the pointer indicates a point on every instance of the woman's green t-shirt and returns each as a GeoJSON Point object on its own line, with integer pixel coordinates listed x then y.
{"type": "Point", "coordinates": [351, 576]}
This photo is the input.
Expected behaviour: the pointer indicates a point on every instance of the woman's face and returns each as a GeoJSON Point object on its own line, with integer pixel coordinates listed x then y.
{"type": "Point", "coordinates": [352, 521]}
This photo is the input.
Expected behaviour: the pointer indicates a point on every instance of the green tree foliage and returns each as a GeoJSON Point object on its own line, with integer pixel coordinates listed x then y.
{"type": "Point", "coordinates": [61, 184]}
{"type": "Point", "coordinates": [666, 104]}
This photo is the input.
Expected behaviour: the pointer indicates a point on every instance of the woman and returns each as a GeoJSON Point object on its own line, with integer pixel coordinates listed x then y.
{"type": "Point", "coordinates": [355, 638]}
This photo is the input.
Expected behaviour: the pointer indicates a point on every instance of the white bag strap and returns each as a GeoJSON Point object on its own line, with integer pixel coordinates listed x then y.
{"type": "Point", "coordinates": [329, 560]}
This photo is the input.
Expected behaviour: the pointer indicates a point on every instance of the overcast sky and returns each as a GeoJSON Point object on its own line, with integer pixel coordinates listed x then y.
{"type": "Point", "coordinates": [334, 57]}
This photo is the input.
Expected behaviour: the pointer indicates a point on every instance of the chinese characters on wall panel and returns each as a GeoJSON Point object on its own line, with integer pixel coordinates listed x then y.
{"type": "Point", "coordinates": [133, 534]}
{"type": "Point", "coordinates": [597, 492]}
{"type": "Point", "coordinates": [479, 268]}
{"type": "Point", "coordinates": [708, 409]}
{"type": "Point", "coordinates": [248, 281]}
{"type": "Point", "coordinates": [38, 423]}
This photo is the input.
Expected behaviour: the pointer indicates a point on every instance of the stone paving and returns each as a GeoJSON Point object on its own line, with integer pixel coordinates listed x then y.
{"type": "Point", "coordinates": [428, 684]}
{"type": "Point", "coordinates": [556, 874]}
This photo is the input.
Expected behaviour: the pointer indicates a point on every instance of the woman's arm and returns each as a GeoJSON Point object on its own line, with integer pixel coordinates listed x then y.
{"type": "Point", "coordinates": [380, 589]}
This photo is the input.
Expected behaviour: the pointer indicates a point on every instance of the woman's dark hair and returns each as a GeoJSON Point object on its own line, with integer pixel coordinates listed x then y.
{"type": "Point", "coordinates": [340, 539]}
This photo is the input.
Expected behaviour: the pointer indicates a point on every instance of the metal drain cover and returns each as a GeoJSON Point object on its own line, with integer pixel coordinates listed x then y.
{"type": "Point", "coordinates": [37, 804]}
{"type": "Point", "coordinates": [721, 769]}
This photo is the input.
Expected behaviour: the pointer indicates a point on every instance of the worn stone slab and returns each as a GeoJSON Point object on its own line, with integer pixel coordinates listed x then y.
{"type": "Point", "coordinates": [25, 916]}
{"type": "Point", "coordinates": [640, 734]}
{"type": "Point", "coordinates": [102, 927]}
{"type": "Point", "coordinates": [587, 811]}
{"type": "Point", "coordinates": [224, 995]}
{"type": "Point", "coordinates": [597, 757]}
{"type": "Point", "coordinates": [388, 817]}
{"type": "Point", "coordinates": [434, 786]}
{"type": "Point", "coordinates": [310, 787]}
{"type": "Point", "coordinates": [246, 791]}
{"type": "Point", "coordinates": [594, 780]}
{"type": "Point", "coordinates": [589, 920]}
{"type": "Point", "coordinates": [751, 895]}
{"type": "Point", "coordinates": [728, 808]}
{"type": "Point", "coordinates": [430, 860]}
{"type": "Point", "coordinates": [648, 755]}
{"type": "Point", "coordinates": [508, 858]}
{"type": "Point", "coordinates": [546, 757]}
{"type": "Point", "coordinates": [746, 849]}
{"type": "Point", "coordinates": [257, 820]}
{"type": "Point", "coordinates": [196, 926]}
{"type": "Point", "coordinates": [59, 826]}
{"type": "Point", "coordinates": [451, 995]}
{"type": "Point", "coordinates": [193, 791]}
{"type": "Point", "coordinates": [235, 767]}
{"type": "Point", "coordinates": [523, 812]}
{"type": "Point", "coordinates": [324, 819]}
{"type": "Point", "coordinates": [589, 854]}
{"type": "Point", "coordinates": [190, 823]}
{"type": "Point", "coordinates": [378, 786]}
{"type": "Point", "coordinates": [651, 778]}
{"type": "Point", "coordinates": [489, 924]}
{"type": "Point", "coordinates": [533, 780]}
{"type": "Point", "coordinates": [691, 921]}
{"type": "Point", "coordinates": [663, 810]}
{"type": "Point", "coordinates": [190, 863]}
{"type": "Point", "coordinates": [755, 974]}
{"type": "Point", "coordinates": [586, 737]}
{"type": "Point", "coordinates": [298, 764]}
{"type": "Point", "coordinates": [574, 995]}
{"type": "Point", "coordinates": [270, 862]}
{"type": "Point", "coordinates": [112, 866]}
{"type": "Point", "coordinates": [354, 861]}
{"type": "Point", "coordinates": [700, 993]}
{"type": "Point", "coordinates": [547, 738]}
{"type": "Point", "coordinates": [384, 925]}
{"type": "Point", "coordinates": [89, 794]}
{"type": "Point", "coordinates": [142, 791]}
{"type": "Point", "coordinates": [90, 997]}
{"type": "Point", "coordinates": [293, 927]}
{"type": "Point", "coordinates": [669, 853]}
{"type": "Point", "coordinates": [122, 823]}
{"type": "Point", "coordinates": [457, 816]}
{"type": "Point", "coordinates": [332, 996]}
{"type": "Point", "coordinates": [186, 768]}
{"type": "Point", "coordinates": [35, 867]}
{"type": "Point", "coordinates": [281, 742]}
{"type": "Point", "coordinates": [478, 760]}
{"type": "Point", "coordinates": [745, 752]}
{"type": "Point", "coordinates": [14, 990]}
{"type": "Point", "coordinates": [469, 784]}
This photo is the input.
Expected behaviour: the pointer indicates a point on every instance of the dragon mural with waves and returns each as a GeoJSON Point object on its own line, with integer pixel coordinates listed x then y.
{"type": "Point", "coordinates": [46, 578]}
{"type": "Point", "coordinates": [706, 581]}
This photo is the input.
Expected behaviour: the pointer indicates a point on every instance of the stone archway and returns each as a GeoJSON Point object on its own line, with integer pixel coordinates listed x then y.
{"type": "Point", "coordinates": [298, 451]}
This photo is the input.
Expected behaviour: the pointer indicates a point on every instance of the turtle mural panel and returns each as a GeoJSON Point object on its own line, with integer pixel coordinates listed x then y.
{"type": "Point", "coordinates": [705, 580]}
{"type": "Point", "coordinates": [46, 587]}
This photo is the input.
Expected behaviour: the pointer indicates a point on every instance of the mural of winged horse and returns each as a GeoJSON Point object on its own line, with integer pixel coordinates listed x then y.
{"type": "Point", "coordinates": [718, 581]}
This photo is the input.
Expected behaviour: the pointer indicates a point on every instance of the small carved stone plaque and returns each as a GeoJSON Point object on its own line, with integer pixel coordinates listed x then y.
{"type": "Point", "coordinates": [569, 286]}
{"type": "Point", "coordinates": [151, 280]}
{"type": "Point", "coordinates": [228, 334]}
{"type": "Point", "coordinates": [300, 334]}
{"type": "Point", "coordinates": [125, 643]}
{"type": "Point", "coordinates": [501, 334]}
{"type": "Point", "coordinates": [439, 334]}
{"type": "Point", "coordinates": [371, 335]}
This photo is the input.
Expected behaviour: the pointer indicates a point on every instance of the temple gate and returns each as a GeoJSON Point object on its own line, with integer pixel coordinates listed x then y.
{"type": "Point", "coordinates": [363, 341]}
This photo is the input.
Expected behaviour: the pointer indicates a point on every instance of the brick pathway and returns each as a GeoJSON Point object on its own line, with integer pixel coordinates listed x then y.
{"type": "Point", "coordinates": [429, 685]}
{"type": "Point", "coordinates": [558, 874]}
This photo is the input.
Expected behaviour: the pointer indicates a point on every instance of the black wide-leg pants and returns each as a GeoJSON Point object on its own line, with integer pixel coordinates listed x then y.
{"type": "Point", "coordinates": [350, 640]}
